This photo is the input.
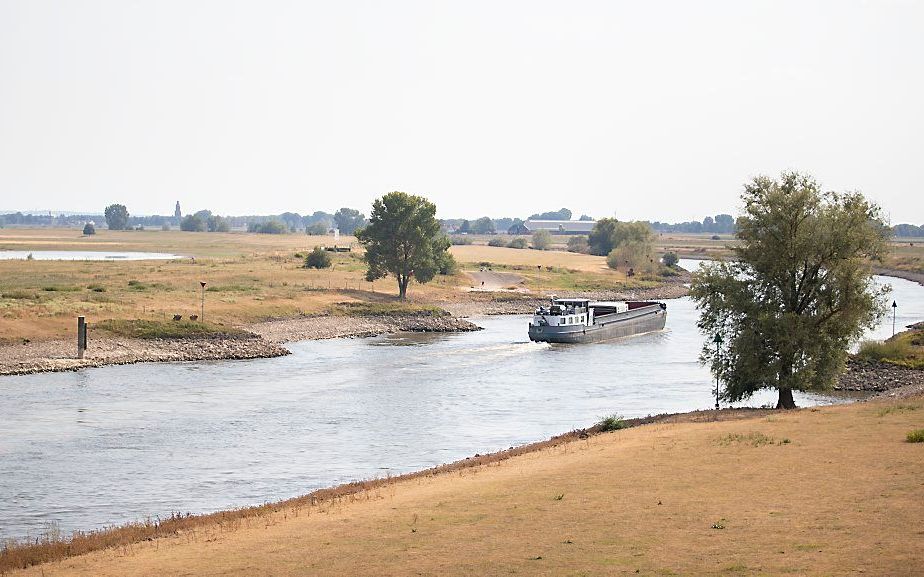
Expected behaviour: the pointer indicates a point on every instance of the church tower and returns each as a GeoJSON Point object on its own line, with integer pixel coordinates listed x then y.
{"type": "Point", "coordinates": [176, 213]}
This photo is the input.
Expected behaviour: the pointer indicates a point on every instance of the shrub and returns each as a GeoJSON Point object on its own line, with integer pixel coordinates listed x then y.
{"type": "Point", "coordinates": [460, 240]}
{"type": "Point", "coordinates": [916, 436]}
{"type": "Point", "coordinates": [89, 229]}
{"type": "Point", "coordinates": [542, 239]}
{"type": "Point", "coordinates": [496, 242]}
{"type": "Point", "coordinates": [318, 258]}
{"type": "Point", "coordinates": [715, 237]}
{"type": "Point", "coordinates": [448, 264]}
{"type": "Point", "coordinates": [670, 259]}
{"type": "Point", "coordinates": [612, 423]}
{"type": "Point", "coordinates": [631, 254]}
{"type": "Point", "coordinates": [578, 244]}
{"type": "Point", "coordinates": [518, 242]}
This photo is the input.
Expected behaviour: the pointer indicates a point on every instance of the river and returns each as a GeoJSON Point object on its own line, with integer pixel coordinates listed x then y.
{"type": "Point", "coordinates": [88, 449]}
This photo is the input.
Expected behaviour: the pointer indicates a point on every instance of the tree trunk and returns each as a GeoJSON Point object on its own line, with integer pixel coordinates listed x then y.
{"type": "Point", "coordinates": [402, 287]}
{"type": "Point", "coordinates": [785, 401]}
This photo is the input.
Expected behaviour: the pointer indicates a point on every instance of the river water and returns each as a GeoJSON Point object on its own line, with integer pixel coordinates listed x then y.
{"type": "Point", "coordinates": [105, 446]}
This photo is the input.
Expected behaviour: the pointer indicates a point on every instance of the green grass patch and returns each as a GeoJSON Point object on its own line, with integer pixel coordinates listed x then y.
{"type": "Point", "coordinates": [230, 288]}
{"type": "Point", "coordinates": [20, 295]}
{"type": "Point", "coordinates": [897, 409]}
{"type": "Point", "coordinates": [97, 288]}
{"type": "Point", "coordinates": [60, 289]}
{"type": "Point", "coordinates": [916, 436]}
{"type": "Point", "coordinates": [148, 329]}
{"type": "Point", "coordinates": [360, 309]}
{"type": "Point", "coordinates": [905, 349]}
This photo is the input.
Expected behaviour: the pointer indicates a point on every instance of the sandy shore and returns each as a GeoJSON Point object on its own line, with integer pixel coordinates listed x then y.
{"type": "Point", "coordinates": [820, 491]}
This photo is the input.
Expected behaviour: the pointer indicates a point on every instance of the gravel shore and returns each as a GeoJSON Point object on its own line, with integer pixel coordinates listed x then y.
{"type": "Point", "coordinates": [264, 342]}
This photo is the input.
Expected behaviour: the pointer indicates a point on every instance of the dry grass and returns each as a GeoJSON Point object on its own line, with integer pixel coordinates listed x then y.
{"type": "Point", "coordinates": [251, 277]}
{"type": "Point", "coordinates": [843, 497]}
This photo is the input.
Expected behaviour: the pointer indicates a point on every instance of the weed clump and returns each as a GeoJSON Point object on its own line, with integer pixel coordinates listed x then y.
{"type": "Point", "coordinates": [754, 439]}
{"type": "Point", "coordinates": [916, 436]}
{"type": "Point", "coordinates": [612, 422]}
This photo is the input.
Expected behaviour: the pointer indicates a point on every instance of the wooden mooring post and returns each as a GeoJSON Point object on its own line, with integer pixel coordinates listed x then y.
{"type": "Point", "coordinates": [81, 336]}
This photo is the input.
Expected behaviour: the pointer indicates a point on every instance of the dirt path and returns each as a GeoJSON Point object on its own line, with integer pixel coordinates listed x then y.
{"type": "Point", "coordinates": [490, 281]}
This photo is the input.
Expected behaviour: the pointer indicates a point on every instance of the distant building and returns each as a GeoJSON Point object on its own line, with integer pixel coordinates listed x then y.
{"type": "Point", "coordinates": [560, 226]}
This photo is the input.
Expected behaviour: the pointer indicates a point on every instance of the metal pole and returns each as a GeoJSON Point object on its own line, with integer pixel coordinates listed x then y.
{"type": "Point", "coordinates": [202, 311]}
{"type": "Point", "coordinates": [894, 307]}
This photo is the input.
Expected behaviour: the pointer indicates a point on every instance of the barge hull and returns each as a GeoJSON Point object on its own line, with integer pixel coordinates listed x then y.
{"type": "Point", "coordinates": [642, 320]}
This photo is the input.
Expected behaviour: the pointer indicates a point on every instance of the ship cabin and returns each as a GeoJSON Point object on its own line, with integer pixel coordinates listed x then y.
{"type": "Point", "coordinates": [565, 312]}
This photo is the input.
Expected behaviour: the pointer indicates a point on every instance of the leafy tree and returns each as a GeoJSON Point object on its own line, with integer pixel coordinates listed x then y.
{"type": "Point", "coordinates": [348, 220]}
{"type": "Point", "coordinates": [561, 214]}
{"type": "Point", "coordinates": [193, 223]}
{"type": "Point", "coordinates": [293, 220]}
{"type": "Point", "coordinates": [403, 239]}
{"type": "Point", "coordinates": [632, 254]}
{"type": "Point", "coordinates": [709, 224]}
{"type": "Point", "coordinates": [203, 214]}
{"type": "Point", "coordinates": [542, 239]}
{"type": "Point", "coordinates": [465, 227]}
{"type": "Point", "coordinates": [317, 228]}
{"type": "Point", "coordinates": [318, 258]}
{"type": "Point", "coordinates": [586, 217]}
{"type": "Point", "coordinates": [89, 229]}
{"type": "Point", "coordinates": [116, 217]}
{"type": "Point", "coordinates": [600, 238]}
{"type": "Point", "coordinates": [670, 259]}
{"type": "Point", "coordinates": [798, 291]}
{"type": "Point", "coordinates": [268, 227]}
{"type": "Point", "coordinates": [217, 223]}
{"type": "Point", "coordinates": [483, 225]}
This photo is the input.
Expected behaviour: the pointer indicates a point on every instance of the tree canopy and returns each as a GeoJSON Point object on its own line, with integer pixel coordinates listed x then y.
{"type": "Point", "coordinates": [560, 214]}
{"type": "Point", "coordinates": [348, 220]}
{"type": "Point", "coordinates": [116, 217]}
{"type": "Point", "coordinates": [798, 291]}
{"type": "Point", "coordinates": [403, 239]}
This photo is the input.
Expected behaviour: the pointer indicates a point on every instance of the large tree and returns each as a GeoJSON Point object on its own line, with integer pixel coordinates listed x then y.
{"type": "Point", "coordinates": [348, 220]}
{"type": "Point", "coordinates": [798, 291]}
{"type": "Point", "coordinates": [116, 217]}
{"type": "Point", "coordinates": [403, 239]}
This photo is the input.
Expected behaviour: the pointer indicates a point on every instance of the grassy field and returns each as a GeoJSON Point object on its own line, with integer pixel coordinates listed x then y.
{"type": "Point", "coordinates": [250, 277]}
{"type": "Point", "coordinates": [823, 491]}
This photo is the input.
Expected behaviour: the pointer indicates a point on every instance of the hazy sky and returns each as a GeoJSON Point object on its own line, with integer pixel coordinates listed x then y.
{"type": "Point", "coordinates": [654, 110]}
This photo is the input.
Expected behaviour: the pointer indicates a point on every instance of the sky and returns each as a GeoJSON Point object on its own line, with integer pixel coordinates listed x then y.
{"type": "Point", "coordinates": [655, 110]}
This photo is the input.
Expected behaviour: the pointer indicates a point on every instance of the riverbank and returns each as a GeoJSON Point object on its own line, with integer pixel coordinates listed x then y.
{"type": "Point", "coordinates": [698, 493]}
{"type": "Point", "coordinates": [261, 340]}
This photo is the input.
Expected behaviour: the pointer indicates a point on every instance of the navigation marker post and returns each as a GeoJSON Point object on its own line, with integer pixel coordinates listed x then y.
{"type": "Point", "coordinates": [202, 311]}
{"type": "Point", "coordinates": [894, 306]}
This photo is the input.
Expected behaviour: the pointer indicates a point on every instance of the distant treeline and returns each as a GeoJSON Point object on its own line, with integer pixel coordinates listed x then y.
{"type": "Point", "coordinates": [347, 220]}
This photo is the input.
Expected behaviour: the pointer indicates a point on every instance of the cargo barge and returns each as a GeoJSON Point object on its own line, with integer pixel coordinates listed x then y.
{"type": "Point", "coordinates": [587, 321]}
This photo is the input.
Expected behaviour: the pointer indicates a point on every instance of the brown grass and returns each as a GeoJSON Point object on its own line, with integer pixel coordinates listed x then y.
{"type": "Point", "coordinates": [844, 496]}
{"type": "Point", "coordinates": [251, 277]}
